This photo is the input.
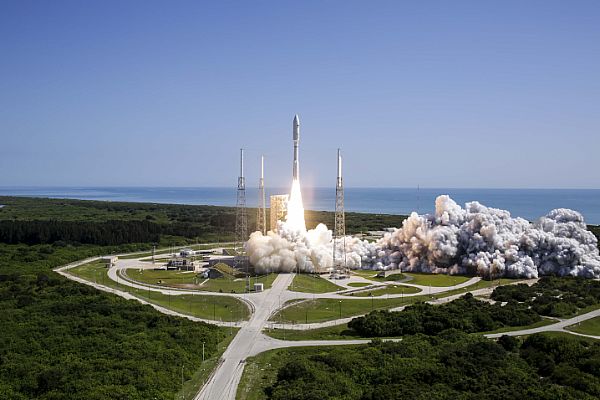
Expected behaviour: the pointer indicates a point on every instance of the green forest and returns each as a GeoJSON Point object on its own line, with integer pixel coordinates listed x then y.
{"type": "Point", "coordinates": [452, 365]}
{"type": "Point", "coordinates": [466, 314]}
{"type": "Point", "coordinates": [45, 221]}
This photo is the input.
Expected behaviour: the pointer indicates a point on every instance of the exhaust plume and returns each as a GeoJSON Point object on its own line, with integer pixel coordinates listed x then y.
{"type": "Point", "coordinates": [476, 240]}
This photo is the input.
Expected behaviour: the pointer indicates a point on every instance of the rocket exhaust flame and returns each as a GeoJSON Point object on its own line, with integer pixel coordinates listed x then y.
{"type": "Point", "coordinates": [295, 208]}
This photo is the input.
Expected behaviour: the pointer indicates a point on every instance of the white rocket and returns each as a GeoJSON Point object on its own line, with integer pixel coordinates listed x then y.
{"type": "Point", "coordinates": [296, 137]}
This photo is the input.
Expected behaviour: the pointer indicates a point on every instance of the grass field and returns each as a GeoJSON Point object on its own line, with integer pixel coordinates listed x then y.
{"type": "Point", "coordinates": [260, 371]}
{"type": "Point", "coordinates": [388, 289]}
{"type": "Point", "coordinates": [320, 310]}
{"type": "Point", "coordinates": [225, 284]}
{"type": "Point", "coordinates": [221, 308]}
{"type": "Point", "coordinates": [358, 284]}
{"type": "Point", "coordinates": [307, 283]}
{"type": "Point", "coordinates": [587, 327]}
{"type": "Point", "coordinates": [437, 280]}
{"type": "Point", "coordinates": [372, 275]}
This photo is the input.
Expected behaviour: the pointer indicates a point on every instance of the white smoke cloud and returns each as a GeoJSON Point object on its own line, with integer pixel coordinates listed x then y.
{"type": "Point", "coordinates": [474, 240]}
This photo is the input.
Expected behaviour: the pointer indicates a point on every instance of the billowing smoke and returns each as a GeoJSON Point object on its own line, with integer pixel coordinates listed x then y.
{"type": "Point", "coordinates": [291, 249]}
{"type": "Point", "coordinates": [474, 240]}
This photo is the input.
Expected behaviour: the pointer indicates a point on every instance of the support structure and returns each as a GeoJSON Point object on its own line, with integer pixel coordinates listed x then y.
{"type": "Point", "coordinates": [241, 224]}
{"type": "Point", "coordinates": [339, 232]}
{"type": "Point", "coordinates": [261, 217]}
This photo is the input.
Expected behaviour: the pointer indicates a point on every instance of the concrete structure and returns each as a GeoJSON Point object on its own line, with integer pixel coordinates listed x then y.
{"type": "Point", "coordinates": [186, 252]}
{"type": "Point", "coordinates": [278, 207]}
{"type": "Point", "coordinates": [110, 260]}
{"type": "Point", "coordinates": [259, 287]}
{"type": "Point", "coordinates": [182, 264]}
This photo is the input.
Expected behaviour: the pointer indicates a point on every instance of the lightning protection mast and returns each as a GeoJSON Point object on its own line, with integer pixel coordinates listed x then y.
{"type": "Point", "coordinates": [261, 217]}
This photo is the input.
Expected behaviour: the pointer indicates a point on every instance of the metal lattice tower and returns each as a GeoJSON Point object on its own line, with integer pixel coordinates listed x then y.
{"type": "Point", "coordinates": [339, 233]}
{"type": "Point", "coordinates": [241, 223]}
{"type": "Point", "coordinates": [261, 217]}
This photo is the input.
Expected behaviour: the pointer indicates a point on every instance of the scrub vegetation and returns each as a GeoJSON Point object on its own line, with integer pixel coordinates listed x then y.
{"type": "Point", "coordinates": [466, 314]}
{"type": "Point", "coordinates": [552, 296]}
{"type": "Point", "coordinates": [450, 365]}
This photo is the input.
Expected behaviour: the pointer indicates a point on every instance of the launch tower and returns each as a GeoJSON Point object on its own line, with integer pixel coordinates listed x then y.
{"type": "Point", "coordinates": [241, 223]}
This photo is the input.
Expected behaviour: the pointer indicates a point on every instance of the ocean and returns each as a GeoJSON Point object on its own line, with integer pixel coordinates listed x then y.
{"type": "Point", "coordinates": [527, 203]}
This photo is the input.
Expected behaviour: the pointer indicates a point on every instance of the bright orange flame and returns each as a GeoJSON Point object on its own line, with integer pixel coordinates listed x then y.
{"type": "Point", "coordinates": [295, 209]}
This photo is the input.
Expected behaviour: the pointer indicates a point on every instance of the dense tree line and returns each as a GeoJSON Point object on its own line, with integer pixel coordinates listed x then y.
{"type": "Point", "coordinates": [60, 340]}
{"type": "Point", "coordinates": [453, 365]}
{"type": "Point", "coordinates": [108, 233]}
{"type": "Point", "coordinates": [466, 314]}
{"type": "Point", "coordinates": [552, 296]}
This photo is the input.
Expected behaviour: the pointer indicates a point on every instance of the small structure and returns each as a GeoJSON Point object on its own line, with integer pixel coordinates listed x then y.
{"type": "Point", "coordinates": [388, 272]}
{"type": "Point", "coordinates": [186, 252]}
{"type": "Point", "coordinates": [109, 260]}
{"type": "Point", "coordinates": [258, 287]}
{"type": "Point", "coordinates": [182, 264]}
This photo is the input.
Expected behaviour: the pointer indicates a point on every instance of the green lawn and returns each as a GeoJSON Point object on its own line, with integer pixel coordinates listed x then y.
{"type": "Point", "coordinates": [164, 277]}
{"type": "Point", "coordinates": [307, 283]}
{"type": "Point", "coordinates": [320, 310]}
{"type": "Point", "coordinates": [359, 284]}
{"type": "Point", "coordinates": [436, 279]}
{"type": "Point", "coordinates": [223, 308]}
{"type": "Point", "coordinates": [587, 327]}
{"type": "Point", "coordinates": [226, 284]}
{"type": "Point", "coordinates": [388, 289]}
{"type": "Point", "coordinates": [372, 275]}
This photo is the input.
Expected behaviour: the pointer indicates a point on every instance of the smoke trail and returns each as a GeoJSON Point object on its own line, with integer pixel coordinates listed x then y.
{"type": "Point", "coordinates": [475, 240]}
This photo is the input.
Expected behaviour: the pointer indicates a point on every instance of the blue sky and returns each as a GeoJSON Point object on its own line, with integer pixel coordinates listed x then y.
{"type": "Point", "coordinates": [432, 93]}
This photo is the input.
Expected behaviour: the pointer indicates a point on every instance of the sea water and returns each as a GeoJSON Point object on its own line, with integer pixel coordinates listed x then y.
{"type": "Point", "coordinates": [527, 203]}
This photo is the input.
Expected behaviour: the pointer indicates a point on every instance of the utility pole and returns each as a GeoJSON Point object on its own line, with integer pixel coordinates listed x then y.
{"type": "Point", "coordinates": [339, 232]}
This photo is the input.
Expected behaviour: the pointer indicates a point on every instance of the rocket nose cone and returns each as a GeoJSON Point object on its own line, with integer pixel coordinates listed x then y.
{"type": "Point", "coordinates": [296, 129]}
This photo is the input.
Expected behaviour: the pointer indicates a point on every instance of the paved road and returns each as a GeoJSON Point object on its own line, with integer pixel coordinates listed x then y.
{"type": "Point", "coordinates": [248, 341]}
{"type": "Point", "coordinates": [556, 327]}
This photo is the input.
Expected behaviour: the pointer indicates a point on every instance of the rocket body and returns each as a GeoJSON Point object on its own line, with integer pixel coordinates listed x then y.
{"type": "Point", "coordinates": [296, 138]}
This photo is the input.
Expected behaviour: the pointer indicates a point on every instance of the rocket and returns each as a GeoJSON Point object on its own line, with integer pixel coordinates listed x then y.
{"type": "Point", "coordinates": [296, 138]}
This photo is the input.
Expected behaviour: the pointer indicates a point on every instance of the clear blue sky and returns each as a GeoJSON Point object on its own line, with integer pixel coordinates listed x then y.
{"type": "Point", "coordinates": [430, 93]}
